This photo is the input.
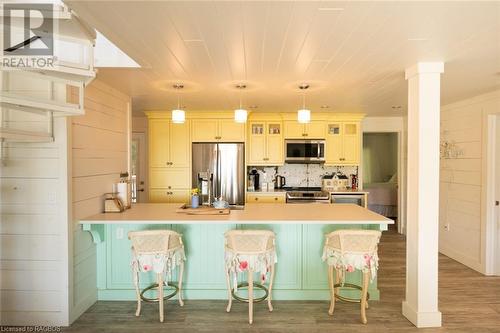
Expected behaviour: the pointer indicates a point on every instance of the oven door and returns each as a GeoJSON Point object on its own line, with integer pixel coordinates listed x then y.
{"type": "Point", "coordinates": [305, 151]}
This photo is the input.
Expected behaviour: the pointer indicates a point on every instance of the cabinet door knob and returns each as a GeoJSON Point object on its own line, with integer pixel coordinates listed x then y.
{"type": "Point", "coordinates": [256, 199]}
{"type": "Point", "coordinates": [276, 199]}
{"type": "Point", "coordinates": [169, 187]}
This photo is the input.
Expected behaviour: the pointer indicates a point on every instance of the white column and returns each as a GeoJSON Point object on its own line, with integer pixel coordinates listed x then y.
{"type": "Point", "coordinates": [421, 303]}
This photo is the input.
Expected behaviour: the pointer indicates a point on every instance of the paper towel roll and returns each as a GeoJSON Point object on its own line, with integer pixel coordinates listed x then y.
{"type": "Point", "coordinates": [123, 192]}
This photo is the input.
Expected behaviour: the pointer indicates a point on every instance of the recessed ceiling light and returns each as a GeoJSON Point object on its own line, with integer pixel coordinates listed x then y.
{"type": "Point", "coordinates": [325, 106]}
{"type": "Point", "coordinates": [396, 107]}
{"type": "Point", "coordinates": [253, 107]}
{"type": "Point", "coordinates": [417, 39]}
{"type": "Point", "coordinates": [331, 9]}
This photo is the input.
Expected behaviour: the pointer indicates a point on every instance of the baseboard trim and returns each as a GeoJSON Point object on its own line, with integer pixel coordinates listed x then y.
{"type": "Point", "coordinates": [422, 319]}
{"type": "Point", "coordinates": [464, 260]}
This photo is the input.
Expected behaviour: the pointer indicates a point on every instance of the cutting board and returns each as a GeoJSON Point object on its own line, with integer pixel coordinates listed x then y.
{"type": "Point", "coordinates": [202, 210]}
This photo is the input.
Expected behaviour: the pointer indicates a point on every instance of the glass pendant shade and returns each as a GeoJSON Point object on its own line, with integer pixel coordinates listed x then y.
{"type": "Point", "coordinates": [304, 116]}
{"type": "Point", "coordinates": [240, 115]}
{"type": "Point", "coordinates": [178, 116]}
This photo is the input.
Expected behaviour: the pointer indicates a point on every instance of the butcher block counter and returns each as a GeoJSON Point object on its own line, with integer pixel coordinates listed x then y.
{"type": "Point", "coordinates": [299, 229]}
{"type": "Point", "coordinates": [157, 213]}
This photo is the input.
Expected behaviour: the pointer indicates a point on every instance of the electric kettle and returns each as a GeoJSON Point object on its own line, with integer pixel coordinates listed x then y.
{"type": "Point", "coordinates": [279, 181]}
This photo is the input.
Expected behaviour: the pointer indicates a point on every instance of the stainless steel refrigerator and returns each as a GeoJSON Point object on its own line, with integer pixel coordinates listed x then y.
{"type": "Point", "coordinates": [219, 171]}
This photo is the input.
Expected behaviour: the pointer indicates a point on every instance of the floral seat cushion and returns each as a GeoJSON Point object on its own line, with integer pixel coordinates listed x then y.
{"type": "Point", "coordinates": [349, 262]}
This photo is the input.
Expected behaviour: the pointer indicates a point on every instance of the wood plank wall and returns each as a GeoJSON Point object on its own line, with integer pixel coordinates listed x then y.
{"type": "Point", "coordinates": [462, 180]}
{"type": "Point", "coordinates": [42, 187]}
{"type": "Point", "coordinates": [100, 146]}
{"type": "Point", "coordinates": [34, 228]}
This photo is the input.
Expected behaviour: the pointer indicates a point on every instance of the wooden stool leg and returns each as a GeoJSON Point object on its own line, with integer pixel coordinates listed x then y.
{"type": "Point", "coordinates": [250, 296]}
{"type": "Point", "coordinates": [160, 294]}
{"type": "Point", "coordinates": [229, 295]}
{"type": "Point", "coordinates": [137, 293]}
{"type": "Point", "coordinates": [269, 305]}
{"type": "Point", "coordinates": [364, 291]}
{"type": "Point", "coordinates": [181, 273]}
{"type": "Point", "coordinates": [332, 290]}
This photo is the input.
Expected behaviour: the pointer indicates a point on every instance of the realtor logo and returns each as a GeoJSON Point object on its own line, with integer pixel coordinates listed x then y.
{"type": "Point", "coordinates": [28, 29]}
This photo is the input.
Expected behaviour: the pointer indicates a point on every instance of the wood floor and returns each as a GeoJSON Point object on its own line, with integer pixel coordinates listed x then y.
{"type": "Point", "coordinates": [469, 302]}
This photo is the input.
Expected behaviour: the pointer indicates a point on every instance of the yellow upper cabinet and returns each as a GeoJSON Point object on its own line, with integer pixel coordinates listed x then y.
{"type": "Point", "coordinates": [231, 131]}
{"type": "Point", "coordinates": [168, 144]}
{"type": "Point", "coordinates": [312, 130]}
{"type": "Point", "coordinates": [158, 142]}
{"type": "Point", "coordinates": [343, 140]}
{"type": "Point", "coordinates": [204, 130]}
{"type": "Point", "coordinates": [220, 130]}
{"type": "Point", "coordinates": [265, 144]}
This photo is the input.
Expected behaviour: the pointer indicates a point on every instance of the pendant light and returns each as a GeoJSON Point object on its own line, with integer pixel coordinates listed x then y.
{"type": "Point", "coordinates": [304, 115]}
{"type": "Point", "coordinates": [240, 115]}
{"type": "Point", "coordinates": [178, 115]}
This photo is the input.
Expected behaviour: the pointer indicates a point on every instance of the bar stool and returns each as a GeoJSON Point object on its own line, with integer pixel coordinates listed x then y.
{"type": "Point", "coordinates": [347, 251]}
{"type": "Point", "coordinates": [159, 251]}
{"type": "Point", "coordinates": [249, 251]}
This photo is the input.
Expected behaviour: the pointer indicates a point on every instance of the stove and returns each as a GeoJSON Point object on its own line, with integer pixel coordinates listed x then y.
{"type": "Point", "coordinates": [306, 195]}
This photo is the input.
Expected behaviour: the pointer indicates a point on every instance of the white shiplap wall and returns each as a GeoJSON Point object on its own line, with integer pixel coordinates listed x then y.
{"type": "Point", "coordinates": [463, 180]}
{"type": "Point", "coordinates": [100, 150]}
{"type": "Point", "coordinates": [34, 229]}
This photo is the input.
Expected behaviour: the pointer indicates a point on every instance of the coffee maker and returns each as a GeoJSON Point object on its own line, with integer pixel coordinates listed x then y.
{"type": "Point", "coordinates": [253, 178]}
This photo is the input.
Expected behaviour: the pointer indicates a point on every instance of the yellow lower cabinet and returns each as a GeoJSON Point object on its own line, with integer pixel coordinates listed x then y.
{"type": "Point", "coordinates": [180, 196]}
{"type": "Point", "coordinates": [158, 195]}
{"type": "Point", "coordinates": [169, 178]}
{"type": "Point", "coordinates": [265, 198]}
{"type": "Point", "coordinates": [163, 195]}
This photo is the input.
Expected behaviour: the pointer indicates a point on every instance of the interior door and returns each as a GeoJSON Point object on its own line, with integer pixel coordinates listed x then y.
{"type": "Point", "coordinates": [138, 167]}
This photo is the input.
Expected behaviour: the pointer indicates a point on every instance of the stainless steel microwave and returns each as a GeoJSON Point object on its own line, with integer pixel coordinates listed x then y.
{"type": "Point", "coordinates": [305, 151]}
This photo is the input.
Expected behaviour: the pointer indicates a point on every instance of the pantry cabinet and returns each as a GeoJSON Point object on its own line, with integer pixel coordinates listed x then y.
{"type": "Point", "coordinates": [169, 160]}
{"type": "Point", "coordinates": [343, 141]}
{"type": "Point", "coordinates": [312, 130]}
{"type": "Point", "coordinates": [265, 144]}
{"type": "Point", "coordinates": [217, 130]}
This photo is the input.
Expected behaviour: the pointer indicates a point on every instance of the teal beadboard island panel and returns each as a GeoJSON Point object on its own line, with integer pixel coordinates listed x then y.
{"type": "Point", "coordinates": [288, 269]}
{"type": "Point", "coordinates": [300, 272]}
{"type": "Point", "coordinates": [204, 247]}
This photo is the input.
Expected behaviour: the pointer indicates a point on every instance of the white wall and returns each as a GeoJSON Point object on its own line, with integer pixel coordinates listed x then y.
{"type": "Point", "coordinates": [463, 179]}
{"type": "Point", "coordinates": [34, 230]}
{"type": "Point", "coordinates": [100, 151]}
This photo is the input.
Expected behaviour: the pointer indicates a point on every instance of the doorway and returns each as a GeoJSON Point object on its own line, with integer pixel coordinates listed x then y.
{"type": "Point", "coordinates": [381, 176]}
{"type": "Point", "coordinates": [138, 167]}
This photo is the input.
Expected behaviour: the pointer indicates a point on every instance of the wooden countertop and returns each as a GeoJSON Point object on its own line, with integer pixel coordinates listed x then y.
{"type": "Point", "coordinates": [279, 213]}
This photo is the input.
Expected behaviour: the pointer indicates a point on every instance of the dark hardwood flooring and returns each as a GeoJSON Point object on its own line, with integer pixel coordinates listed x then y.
{"type": "Point", "coordinates": [469, 302]}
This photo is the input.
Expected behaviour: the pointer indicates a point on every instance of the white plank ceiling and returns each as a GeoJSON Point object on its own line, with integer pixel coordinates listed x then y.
{"type": "Point", "coordinates": [353, 54]}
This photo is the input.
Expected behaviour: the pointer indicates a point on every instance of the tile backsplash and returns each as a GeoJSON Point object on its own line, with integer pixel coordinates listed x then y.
{"type": "Point", "coordinates": [302, 174]}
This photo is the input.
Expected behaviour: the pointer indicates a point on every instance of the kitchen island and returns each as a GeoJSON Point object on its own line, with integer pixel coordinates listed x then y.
{"type": "Point", "coordinates": [299, 228]}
